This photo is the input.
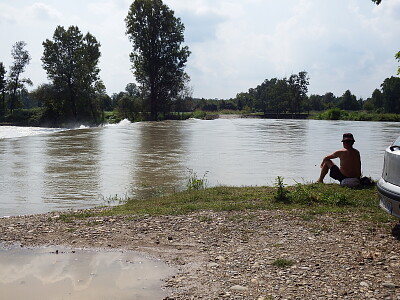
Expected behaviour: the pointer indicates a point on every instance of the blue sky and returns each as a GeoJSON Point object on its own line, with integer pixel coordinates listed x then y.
{"type": "Point", "coordinates": [235, 44]}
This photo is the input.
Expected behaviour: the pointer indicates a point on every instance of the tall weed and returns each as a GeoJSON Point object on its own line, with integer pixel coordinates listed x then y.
{"type": "Point", "coordinates": [281, 192]}
{"type": "Point", "coordinates": [195, 183]}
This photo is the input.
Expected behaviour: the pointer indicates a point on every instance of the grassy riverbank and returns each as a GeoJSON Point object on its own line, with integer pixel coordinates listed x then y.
{"type": "Point", "coordinates": [308, 199]}
{"type": "Point", "coordinates": [339, 114]}
{"type": "Point", "coordinates": [330, 114]}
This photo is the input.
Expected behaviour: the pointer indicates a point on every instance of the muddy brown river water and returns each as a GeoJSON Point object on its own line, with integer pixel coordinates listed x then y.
{"type": "Point", "coordinates": [45, 169]}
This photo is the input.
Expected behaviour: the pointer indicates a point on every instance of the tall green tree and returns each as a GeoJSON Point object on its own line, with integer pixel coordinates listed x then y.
{"type": "Point", "coordinates": [349, 101]}
{"type": "Point", "coordinates": [183, 100]}
{"type": "Point", "coordinates": [130, 105]}
{"type": "Point", "coordinates": [262, 95]}
{"type": "Point", "coordinates": [3, 86]}
{"type": "Point", "coordinates": [329, 100]}
{"type": "Point", "coordinates": [15, 83]}
{"type": "Point", "coordinates": [298, 85]}
{"type": "Point", "coordinates": [391, 95]}
{"type": "Point", "coordinates": [279, 93]}
{"type": "Point", "coordinates": [377, 99]}
{"type": "Point", "coordinates": [315, 102]}
{"type": "Point", "coordinates": [71, 62]}
{"type": "Point", "coordinates": [158, 58]}
{"type": "Point", "coordinates": [245, 101]}
{"type": "Point", "coordinates": [132, 90]}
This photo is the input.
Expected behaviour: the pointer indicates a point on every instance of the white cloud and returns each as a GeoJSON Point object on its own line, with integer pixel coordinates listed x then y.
{"type": "Point", "coordinates": [44, 13]}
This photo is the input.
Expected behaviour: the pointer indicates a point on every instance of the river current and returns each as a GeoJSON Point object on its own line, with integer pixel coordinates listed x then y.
{"type": "Point", "coordinates": [44, 169]}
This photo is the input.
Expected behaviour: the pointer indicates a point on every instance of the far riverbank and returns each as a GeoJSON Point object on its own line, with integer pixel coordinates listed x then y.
{"type": "Point", "coordinates": [32, 117]}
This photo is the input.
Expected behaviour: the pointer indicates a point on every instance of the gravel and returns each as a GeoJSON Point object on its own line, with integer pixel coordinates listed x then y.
{"type": "Point", "coordinates": [240, 255]}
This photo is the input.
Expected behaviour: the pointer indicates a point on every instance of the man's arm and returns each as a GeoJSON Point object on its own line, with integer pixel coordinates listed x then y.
{"type": "Point", "coordinates": [334, 155]}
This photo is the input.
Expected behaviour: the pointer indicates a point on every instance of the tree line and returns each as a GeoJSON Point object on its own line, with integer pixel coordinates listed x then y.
{"type": "Point", "coordinates": [288, 96]}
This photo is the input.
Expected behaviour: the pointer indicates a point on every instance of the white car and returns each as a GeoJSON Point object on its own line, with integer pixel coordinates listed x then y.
{"type": "Point", "coordinates": [389, 184]}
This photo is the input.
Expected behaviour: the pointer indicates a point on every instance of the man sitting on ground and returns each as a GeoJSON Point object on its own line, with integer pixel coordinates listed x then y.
{"type": "Point", "coordinates": [350, 162]}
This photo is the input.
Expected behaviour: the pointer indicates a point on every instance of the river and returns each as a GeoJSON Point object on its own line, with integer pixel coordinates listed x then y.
{"type": "Point", "coordinates": [44, 169]}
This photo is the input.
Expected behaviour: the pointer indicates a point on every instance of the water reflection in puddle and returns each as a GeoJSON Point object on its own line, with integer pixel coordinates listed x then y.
{"type": "Point", "coordinates": [79, 274]}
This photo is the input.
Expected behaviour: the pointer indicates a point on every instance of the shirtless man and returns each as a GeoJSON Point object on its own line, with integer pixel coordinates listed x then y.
{"type": "Point", "coordinates": [350, 161]}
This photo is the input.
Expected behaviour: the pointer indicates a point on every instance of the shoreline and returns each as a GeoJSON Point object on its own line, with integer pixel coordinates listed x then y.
{"type": "Point", "coordinates": [252, 254]}
{"type": "Point", "coordinates": [362, 116]}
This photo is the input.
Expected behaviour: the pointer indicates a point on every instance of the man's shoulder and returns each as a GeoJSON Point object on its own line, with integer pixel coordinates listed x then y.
{"type": "Point", "coordinates": [346, 152]}
{"type": "Point", "coordinates": [340, 151]}
{"type": "Point", "coordinates": [354, 150]}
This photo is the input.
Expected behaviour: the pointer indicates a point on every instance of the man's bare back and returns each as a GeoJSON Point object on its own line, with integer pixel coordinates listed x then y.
{"type": "Point", "coordinates": [350, 161]}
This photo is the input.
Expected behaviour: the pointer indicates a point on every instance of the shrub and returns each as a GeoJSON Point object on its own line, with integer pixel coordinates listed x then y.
{"type": "Point", "coordinates": [195, 183]}
{"type": "Point", "coordinates": [283, 263]}
{"type": "Point", "coordinates": [199, 114]}
{"type": "Point", "coordinates": [281, 193]}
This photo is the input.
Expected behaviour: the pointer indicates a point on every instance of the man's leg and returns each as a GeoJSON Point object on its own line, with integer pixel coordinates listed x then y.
{"type": "Point", "coordinates": [324, 170]}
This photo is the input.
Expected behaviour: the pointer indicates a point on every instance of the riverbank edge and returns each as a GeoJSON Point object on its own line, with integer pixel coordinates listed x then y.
{"type": "Point", "coordinates": [112, 118]}
{"type": "Point", "coordinates": [242, 254]}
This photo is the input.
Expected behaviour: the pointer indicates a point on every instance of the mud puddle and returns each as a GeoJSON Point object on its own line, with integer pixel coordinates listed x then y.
{"type": "Point", "coordinates": [58, 273]}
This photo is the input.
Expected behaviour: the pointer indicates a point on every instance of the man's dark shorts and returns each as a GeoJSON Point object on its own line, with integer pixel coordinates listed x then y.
{"type": "Point", "coordinates": [336, 174]}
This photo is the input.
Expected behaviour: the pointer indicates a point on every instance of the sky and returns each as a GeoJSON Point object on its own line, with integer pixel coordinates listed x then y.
{"type": "Point", "coordinates": [235, 44]}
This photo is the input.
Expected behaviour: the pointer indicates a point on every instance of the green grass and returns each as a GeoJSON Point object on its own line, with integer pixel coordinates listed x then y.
{"type": "Point", "coordinates": [339, 114]}
{"type": "Point", "coordinates": [283, 263]}
{"type": "Point", "coordinates": [305, 200]}
{"type": "Point", "coordinates": [311, 199]}
{"type": "Point", "coordinates": [201, 114]}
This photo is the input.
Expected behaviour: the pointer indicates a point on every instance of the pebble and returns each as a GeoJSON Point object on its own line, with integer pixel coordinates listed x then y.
{"type": "Point", "coordinates": [213, 265]}
{"type": "Point", "coordinates": [238, 288]}
{"type": "Point", "coordinates": [389, 285]}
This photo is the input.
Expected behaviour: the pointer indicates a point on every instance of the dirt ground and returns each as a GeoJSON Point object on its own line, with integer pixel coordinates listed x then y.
{"type": "Point", "coordinates": [240, 255]}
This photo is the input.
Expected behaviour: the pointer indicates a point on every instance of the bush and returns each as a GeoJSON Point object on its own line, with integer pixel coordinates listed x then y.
{"type": "Point", "coordinates": [334, 114]}
{"type": "Point", "coordinates": [281, 193]}
{"type": "Point", "coordinates": [199, 114]}
{"type": "Point", "coordinates": [338, 114]}
{"type": "Point", "coordinates": [26, 117]}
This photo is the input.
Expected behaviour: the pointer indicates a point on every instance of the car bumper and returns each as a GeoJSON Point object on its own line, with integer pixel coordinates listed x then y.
{"type": "Point", "coordinates": [389, 197]}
